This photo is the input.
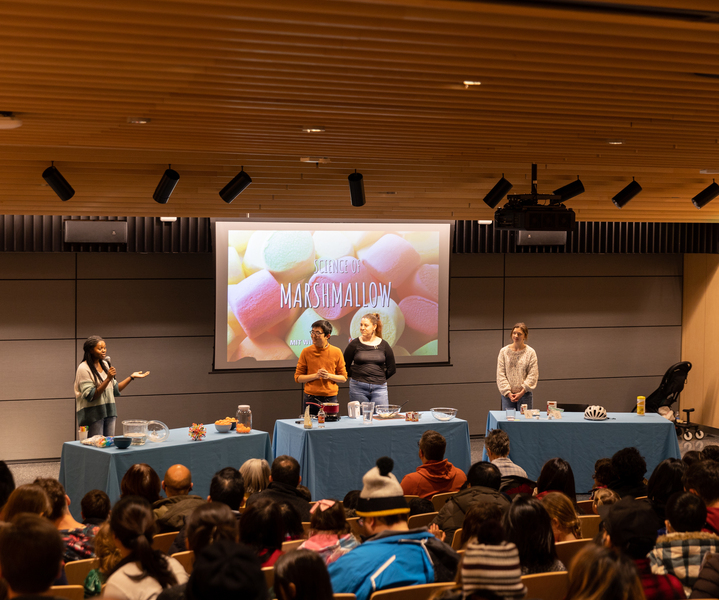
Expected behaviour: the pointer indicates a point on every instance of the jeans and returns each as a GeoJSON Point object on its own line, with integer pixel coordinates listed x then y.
{"type": "Point", "coordinates": [104, 427]}
{"type": "Point", "coordinates": [526, 399]}
{"type": "Point", "coordinates": [369, 392]}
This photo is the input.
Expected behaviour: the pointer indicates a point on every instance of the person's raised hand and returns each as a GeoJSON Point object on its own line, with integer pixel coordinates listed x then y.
{"type": "Point", "coordinates": [139, 374]}
{"type": "Point", "coordinates": [436, 532]}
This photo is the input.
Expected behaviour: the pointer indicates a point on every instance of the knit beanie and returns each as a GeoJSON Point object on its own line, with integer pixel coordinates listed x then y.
{"type": "Point", "coordinates": [493, 568]}
{"type": "Point", "coordinates": [381, 493]}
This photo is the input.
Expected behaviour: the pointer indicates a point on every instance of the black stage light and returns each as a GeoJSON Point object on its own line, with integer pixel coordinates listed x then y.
{"type": "Point", "coordinates": [627, 194]}
{"type": "Point", "coordinates": [706, 195]}
{"type": "Point", "coordinates": [58, 183]}
{"type": "Point", "coordinates": [498, 192]}
{"type": "Point", "coordinates": [356, 189]}
{"type": "Point", "coordinates": [236, 186]}
{"type": "Point", "coordinates": [568, 191]}
{"type": "Point", "coordinates": [167, 184]}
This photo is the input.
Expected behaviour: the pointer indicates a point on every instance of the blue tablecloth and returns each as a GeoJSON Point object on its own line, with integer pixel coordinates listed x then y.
{"type": "Point", "coordinates": [334, 459]}
{"type": "Point", "coordinates": [84, 468]}
{"type": "Point", "coordinates": [582, 442]}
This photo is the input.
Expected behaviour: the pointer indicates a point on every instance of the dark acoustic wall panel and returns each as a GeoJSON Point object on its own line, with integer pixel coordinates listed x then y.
{"type": "Point", "coordinates": [145, 266]}
{"type": "Point", "coordinates": [28, 265]}
{"type": "Point", "coordinates": [36, 429]}
{"type": "Point", "coordinates": [37, 310]}
{"type": "Point", "coordinates": [594, 265]}
{"type": "Point", "coordinates": [33, 369]}
{"type": "Point", "coordinates": [476, 303]}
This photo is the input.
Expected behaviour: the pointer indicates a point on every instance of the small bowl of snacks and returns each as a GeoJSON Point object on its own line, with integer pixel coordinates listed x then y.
{"type": "Point", "coordinates": [122, 442]}
{"type": "Point", "coordinates": [387, 411]}
{"type": "Point", "coordinates": [223, 425]}
{"type": "Point", "coordinates": [443, 413]}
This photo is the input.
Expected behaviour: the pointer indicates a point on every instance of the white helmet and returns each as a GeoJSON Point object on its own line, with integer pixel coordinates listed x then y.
{"type": "Point", "coordinates": [595, 413]}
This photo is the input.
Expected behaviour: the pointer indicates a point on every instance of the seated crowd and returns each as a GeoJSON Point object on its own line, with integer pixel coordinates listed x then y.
{"type": "Point", "coordinates": [656, 540]}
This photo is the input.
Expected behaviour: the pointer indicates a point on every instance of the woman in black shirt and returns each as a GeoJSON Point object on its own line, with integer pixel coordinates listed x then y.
{"type": "Point", "coordinates": [370, 363]}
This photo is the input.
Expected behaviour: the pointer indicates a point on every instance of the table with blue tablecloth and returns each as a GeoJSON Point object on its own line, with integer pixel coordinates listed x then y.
{"type": "Point", "coordinates": [582, 442]}
{"type": "Point", "coordinates": [334, 459]}
{"type": "Point", "coordinates": [84, 468]}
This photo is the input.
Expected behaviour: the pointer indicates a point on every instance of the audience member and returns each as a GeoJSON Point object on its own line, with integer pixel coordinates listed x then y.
{"type": "Point", "coordinates": [108, 556]}
{"type": "Point", "coordinates": [681, 551]}
{"type": "Point", "coordinates": [528, 526]}
{"type": "Point", "coordinates": [262, 529]}
{"type": "Point", "coordinates": [420, 506]}
{"type": "Point", "coordinates": [599, 573]}
{"type": "Point", "coordinates": [602, 497]}
{"type": "Point", "coordinates": [436, 474]}
{"type": "Point", "coordinates": [629, 468]}
{"type": "Point", "coordinates": [7, 485]}
{"type": "Point", "coordinates": [711, 452]}
{"type": "Point", "coordinates": [292, 522]}
{"type": "Point", "coordinates": [30, 556]}
{"type": "Point", "coordinates": [330, 533]}
{"type": "Point", "coordinates": [304, 492]}
{"type": "Point", "coordinates": [631, 527]}
{"type": "Point", "coordinates": [29, 498]}
{"type": "Point", "coordinates": [603, 474]}
{"type": "Point", "coordinates": [492, 571]}
{"type": "Point", "coordinates": [665, 481]}
{"type": "Point", "coordinates": [256, 475]}
{"type": "Point", "coordinates": [556, 476]}
{"type": "Point", "coordinates": [483, 481]}
{"type": "Point", "coordinates": [142, 573]}
{"type": "Point", "coordinates": [691, 457]}
{"type": "Point", "coordinates": [497, 446]}
{"type": "Point", "coordinates": [141, 480]}
{"type": "Point", "coordinates": [702, 479]}
{"type": "Point", "coordinates": [350, 503]}
{"type": "Point", "coordinates": [226, 571]}
{"type": "Point", "coordinates": [171, 512]}
{"type": "Point", "coordinates": [284, 479]}
{"type": "Point", "coordinates": [565, 522]}
{"type": "Point", "coordinates": [227, 487]}
{"type": "Point", "coordinates": [302, 575]}
{"type": "Point", "coordinates": [393, 555]}
{"type": "Point", "coordinates": [95, 507]}
{"type": "Point", "coordinates": [78, 538]}
{"type": "Point", "coordinates": [483, 525]}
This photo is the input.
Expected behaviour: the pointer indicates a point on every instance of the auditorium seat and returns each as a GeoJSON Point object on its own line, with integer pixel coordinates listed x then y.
{"type": "Point", "coordinates": [457, 539]}
{"type": "Point", "coordinates": [439, 500]}
{"type": "Point", "coordinates": [163, 541]}
{"type": "Point", "coordinates": [186, 559]}
{"type": "Point", "coordinates": [76, 571]}
{"type": "Point", "coordinates": [413, 592]}
{"type": "Point", "coordinates": [586, 507]}
{"type": "Point", "coordinates": [590, 525]}
{"type": "Point", "coordinates": [422, 520]}
{"type": "Point", "coordinates": [291, 545]}
{"type": "Point", "coordinates": [71, 592]}
{"type": "Point", "coordinates": [566, 551]}
{"type": "Point", "coordinates": [547, 586]}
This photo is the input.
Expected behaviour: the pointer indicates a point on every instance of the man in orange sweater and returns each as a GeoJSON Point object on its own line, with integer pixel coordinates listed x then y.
{"type": "Point", "coordinates": [320, 367]}
{"type": "Point", "coordinates": [436, 474]}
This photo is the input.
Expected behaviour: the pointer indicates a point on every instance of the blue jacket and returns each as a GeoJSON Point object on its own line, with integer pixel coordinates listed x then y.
{"type": "Point", "coordinates": [391, 559]}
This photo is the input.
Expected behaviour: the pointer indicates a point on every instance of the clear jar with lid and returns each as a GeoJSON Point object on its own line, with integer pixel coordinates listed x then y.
{"type": "Point", "coordinates": [244, 418]}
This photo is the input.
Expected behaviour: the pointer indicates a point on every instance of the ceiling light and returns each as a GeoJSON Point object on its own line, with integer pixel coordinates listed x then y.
{"type": "Point", "coordinates": [313, 129]}
{"type": "Point", "coordinates": [58, 183]}
{"type": "Point", "coordinates": [568, 191]}
{"type": "Point", "coordinates": [320, 160]}
{"type": "Point", "coordinates": [498, 192]}
{"type": "Point", "coordinates": [706, 195]}
{"type": "Point", "coordinates": [167, 184]}
{"type": "Point", "coordinates": [9, 121]}
{"type": "Point", "coordinates": [627, 194]}
{"type": "Point", "coordinates": [238, 185]}
{"type": "Point", "coordinates": [356, 188]}
{"type": "Point", "coordinates": [615, 142]}
{"type": "Point", "coordinates": [168, 219]}
{"type": "Point", "coordinates": [467, 84]}
{"type": "Point", "coordinates": [138, 120]}
{"type": "Point", "coordinates": [485, 222]}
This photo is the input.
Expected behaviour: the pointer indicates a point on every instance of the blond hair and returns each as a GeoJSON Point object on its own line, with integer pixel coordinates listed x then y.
{"type": "Point", "coordinates": [561, 508]}
{"type": "Point", "coordinates": [604, 496]}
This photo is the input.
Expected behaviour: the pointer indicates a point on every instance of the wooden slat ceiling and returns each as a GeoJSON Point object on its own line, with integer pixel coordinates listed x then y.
{"type": "Point", "coordinates": [230, 83]}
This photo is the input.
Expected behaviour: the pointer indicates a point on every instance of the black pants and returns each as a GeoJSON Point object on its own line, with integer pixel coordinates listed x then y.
{"type": "Point", "coordinates": [315, 400]}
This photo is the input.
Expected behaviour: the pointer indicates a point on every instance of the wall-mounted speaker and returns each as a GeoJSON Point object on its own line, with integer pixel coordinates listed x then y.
{"type": "Point", "coordinates": [95, 232]}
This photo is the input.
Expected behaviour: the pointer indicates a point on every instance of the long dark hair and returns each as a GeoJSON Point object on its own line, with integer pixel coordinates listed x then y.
{"type": "Point", "coordinates": [262, 528]}
{"type": "Point", "coordinates": [87, 348]}
{"type": "Point", "coordinates": [557, 476]}
{"type": "Point", "coordinates": [528, 526]}
{"type": "Point", "coordinates": [208, 523]}
{"type": "Point", "coordinates": [665, 481]}
{"type": "Point", "coordinates": [133, 523]}
{"type": "Point", "coordinates": [307, 571]}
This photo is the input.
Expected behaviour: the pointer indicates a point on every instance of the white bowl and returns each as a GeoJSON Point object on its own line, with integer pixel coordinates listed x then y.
{"type": "Point", "coordinates": [443, 413]}
{"type": "Point", "coordinates": [223, 428]}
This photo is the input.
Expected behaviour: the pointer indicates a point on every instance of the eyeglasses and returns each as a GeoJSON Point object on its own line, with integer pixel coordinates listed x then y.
{"type": "Point", "coordinates": [316, 333]}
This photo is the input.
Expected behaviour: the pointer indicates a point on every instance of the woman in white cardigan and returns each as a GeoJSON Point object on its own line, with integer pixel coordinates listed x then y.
{"type": "Point", "coordinates": [517, 370]}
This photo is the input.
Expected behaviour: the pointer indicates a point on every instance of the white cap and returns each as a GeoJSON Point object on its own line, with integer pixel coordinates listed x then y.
{"type": "Point", "coordinates": [243, 407]}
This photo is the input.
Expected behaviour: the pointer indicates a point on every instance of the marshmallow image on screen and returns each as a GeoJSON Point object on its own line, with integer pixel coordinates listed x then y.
{"type": "Point", "coordinates": [255, 303]}
{"type": "Point", "coordinates": [264, 347]}
{"type": "Point", "coordinates": [423, 282]}
{"type": "Point", "coordinates": [392, 321]}
{"type": "Point", "coordinates": [391, 258]}
{"type": "Point", "coordinates": [332, 244]}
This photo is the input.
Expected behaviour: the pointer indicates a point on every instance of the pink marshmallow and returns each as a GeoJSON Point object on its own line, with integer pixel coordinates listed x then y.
{"type": "Point", "coordinates": [423, 282]}
{"type": "Point", "coordinates": [391, 259]}
{"type": "Point", "coordinates": [256, 303]}
{"type": "Point", "coordinates": [265, 347]}
{"type": "Point", "coordinates": [421, 315]}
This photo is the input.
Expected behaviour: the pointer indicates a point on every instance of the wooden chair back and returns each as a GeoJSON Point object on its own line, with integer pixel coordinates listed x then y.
{"type": "Point", "coordinates": [422, 520]}
{"type": "Point", "coordinates": [306, 527]}
{"type": "Point", "coordinates": [566, 551]}
{"type": "Point", "coordinates": [439, 500]}
{"type": "Point", "coordinates": [412, 592]}
{"type": "Point", "coordinates": [71, 592]}
{"type": "Point", "coordinates": [547, 586]}
{"type": "Point", "coordinates": [163, 541]}
{"type": "Point", "coordinates": [291, 545]}
{"type": "Point", "coordinates": [269, 576]}
{"type": "Point", "coordinates": [457, 539]}
{"type": "Point", "coordinates": [344, 597]}
{"type": "Point", "coordinates": [586, 507]}
{"type": "Point", "coordinates": [590, 525]}
{"type": "Point", "coordinates": [76, 571]}
{"type": "Point", "coordinates": [408, 497]}
{"type": "Point", "coordinates": [186, 559]}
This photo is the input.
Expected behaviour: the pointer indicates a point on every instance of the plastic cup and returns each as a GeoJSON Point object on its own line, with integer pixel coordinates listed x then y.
{"type": "Point", "coordinates": [367, 411]}
{"type": "Point", "coordinates": [511, 412]}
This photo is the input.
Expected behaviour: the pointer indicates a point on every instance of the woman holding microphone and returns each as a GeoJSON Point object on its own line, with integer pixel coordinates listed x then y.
{"type": "Point", "coordinates": [96, 388]}
{"type": "Point", "coordinates": [370, 363]}
{"type": "Point", "coordinates": [517, 370]}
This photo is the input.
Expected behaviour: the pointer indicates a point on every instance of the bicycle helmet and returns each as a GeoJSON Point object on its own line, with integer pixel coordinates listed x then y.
{"type": "Point", "coordinates": [595, 413]}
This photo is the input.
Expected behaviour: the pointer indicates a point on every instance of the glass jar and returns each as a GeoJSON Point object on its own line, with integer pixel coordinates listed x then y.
{"type": "Point", "coordinates": [244, 418]}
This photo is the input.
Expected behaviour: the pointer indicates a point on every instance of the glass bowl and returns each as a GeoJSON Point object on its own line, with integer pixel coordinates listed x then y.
{"type": "Point", "coordinates": [443, 413]}
{"type": "Point", "coordinates": [388, 411]}
{"type": "Point", "coordinates": [157, 431]}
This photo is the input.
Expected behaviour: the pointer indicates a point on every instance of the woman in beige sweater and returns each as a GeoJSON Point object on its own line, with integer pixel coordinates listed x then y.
{"type": "Point", "coordinates": [517, 370]}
